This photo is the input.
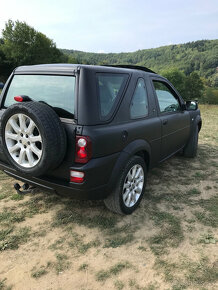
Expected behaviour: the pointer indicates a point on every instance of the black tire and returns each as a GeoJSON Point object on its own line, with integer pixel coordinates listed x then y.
{"type": "Point", "coordinates": [114, 201]}
{"type": "Point", "coordinates": [52, 134]}
{"type": "Point", "coordinates": [191, 147]}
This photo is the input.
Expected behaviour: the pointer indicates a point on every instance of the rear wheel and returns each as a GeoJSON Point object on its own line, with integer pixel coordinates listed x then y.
{"type": "Point", "coordinates": [130, 187]}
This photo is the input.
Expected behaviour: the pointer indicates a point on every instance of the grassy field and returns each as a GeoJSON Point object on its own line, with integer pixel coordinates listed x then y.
{"type": "Point", "coordinates": [170, 242]}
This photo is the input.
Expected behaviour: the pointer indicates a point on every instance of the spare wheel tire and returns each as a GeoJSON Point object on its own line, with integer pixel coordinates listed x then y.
{"type": "Point", "coordinates": [33, 137]}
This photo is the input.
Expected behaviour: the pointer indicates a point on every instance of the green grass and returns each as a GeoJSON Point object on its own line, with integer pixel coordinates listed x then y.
{"type": "Point", "coordinates": [70, 216]}
{"type": "Point", "coordinates": [103, 275]}
{"type": "Point", "coordinates": [62, 263]}
{"type": "Point", "coordinates": [39, 273]}
{"type": "Point", "coordinates": [119, 285]}
{"type": "Point", "coordinates": [118, 240]}
{"type": "Point", "coordinates": [13, 241]}
{"type": "Point", "coordinates": [194, 191]}
{"type": "Point", "coordinates": [170, 235]}
{"type": "Point", "coordinates": [209, 215]}
{"type": "Point", "coordinates": [8, 217]}
{"type": "Point", "coordinates": [195, 274]}
{"type": "Point", "coordinates": [83, 267]}
{"type": "Point", "coordinates": [75, 241]}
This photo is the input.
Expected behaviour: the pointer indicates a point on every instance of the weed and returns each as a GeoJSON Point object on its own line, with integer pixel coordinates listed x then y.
{"type": "Point", "coordinates": [62, 263]}
{"type": "Point", "coordinates": [117, 241]}
{"type": "Point", "coordinates": [5, 233]}
{"type": "Point", "coordinates": [17, 197]}
{"type": "Point", "coordinates": [209, 217]}
{"type": "Point", "coordinates": [115, 270]}
{"type": "Point", "coordinates": [67, 216]}
{"type": "Point", "coordinates": [208, 239]}
{"type": "Point", "coordinates": [142, 248]}
{"type": "Point", "coordinates": [8, 217]}
{"type": "Point", "coordinates": [38, 273]}
{"type": "Point", "coordinates": [3, 286]}
{"type": "Point", "coordinates": [83, 267]}
{"type": "Point", "coordinates": [82, 247]}
{"type": "Point", "coordinates": [13, 241]}
{"type": "Point", "coordinates": [171, 233]}
{"type": "Point", "coordinates": [119, 285]}
{"type": "Point", "coordinates": [202, 272]}
{"type": "Point", "coordinates": [194, 191]}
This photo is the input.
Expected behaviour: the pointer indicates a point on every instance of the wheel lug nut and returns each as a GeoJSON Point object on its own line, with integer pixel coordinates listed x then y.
{"type": "Point", "coordinates": [26, 136]}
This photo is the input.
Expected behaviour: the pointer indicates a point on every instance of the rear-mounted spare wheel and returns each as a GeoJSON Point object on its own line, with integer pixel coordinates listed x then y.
{"type": "Point", "coordinates": [34, 139]}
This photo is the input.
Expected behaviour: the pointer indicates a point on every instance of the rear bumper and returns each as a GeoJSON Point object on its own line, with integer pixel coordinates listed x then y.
{"type": "Point", "coordinates": [97, 175]}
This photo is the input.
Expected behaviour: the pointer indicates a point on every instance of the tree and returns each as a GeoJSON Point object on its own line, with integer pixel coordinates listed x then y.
{"type": "Point", "coordinates": [24, 45]}
{"type": "Point", "coordinates": [177, 78]}
{"type": "Point", "coordinates": [5, 65]}
{"type": "Point", "coordinates": [194, 87]}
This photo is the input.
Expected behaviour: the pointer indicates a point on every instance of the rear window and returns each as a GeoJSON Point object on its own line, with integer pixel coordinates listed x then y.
{"type": "Point", "coordinates": [56, 91]}
{"type": "Point", "coordinates": [110, 88]}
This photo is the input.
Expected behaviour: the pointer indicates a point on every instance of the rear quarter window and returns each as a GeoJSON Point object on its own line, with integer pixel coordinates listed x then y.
{"type": "Point", "coordinates": [109, 88]}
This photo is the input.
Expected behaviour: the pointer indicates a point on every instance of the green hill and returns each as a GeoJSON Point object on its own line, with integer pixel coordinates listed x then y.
{"type": "Point", "coordinates": [200, 56]}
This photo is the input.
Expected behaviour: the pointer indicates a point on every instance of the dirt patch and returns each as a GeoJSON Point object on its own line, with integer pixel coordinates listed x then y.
{"type": "Point", "coordinates": [170, 242]}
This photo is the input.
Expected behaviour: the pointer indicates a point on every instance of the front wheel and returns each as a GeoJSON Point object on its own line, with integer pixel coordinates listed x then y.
{"type": "Point", "coordinates": [130, 187]}
{"type": "Point", "coordinates": [191, 147]}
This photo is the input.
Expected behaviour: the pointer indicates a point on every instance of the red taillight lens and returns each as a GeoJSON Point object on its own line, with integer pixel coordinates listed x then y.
{"type": "Point", "coordinates": [18, 99]}
{"type": "Point", "coordinates": [83, 149]}
{"type": "Point", "coordinates": [76, 176]}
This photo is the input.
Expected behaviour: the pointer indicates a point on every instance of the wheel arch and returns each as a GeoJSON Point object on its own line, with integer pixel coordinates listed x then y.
{"type": "Point", "coordinates": [138, 147]}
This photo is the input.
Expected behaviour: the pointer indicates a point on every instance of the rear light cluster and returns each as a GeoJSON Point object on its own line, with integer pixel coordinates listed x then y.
{"type": "Point", "coordinates": [76, 176]}
{"type": "Point", "coordinates": [83, 149]}
{"type": "Point", "coordinates": [18, 99]}
{"type": "Point", "coordinates": [83, 155]}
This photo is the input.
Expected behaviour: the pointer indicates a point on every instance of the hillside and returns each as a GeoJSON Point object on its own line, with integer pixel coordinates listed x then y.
{"type": "Point", "coordinates": [200, 56]}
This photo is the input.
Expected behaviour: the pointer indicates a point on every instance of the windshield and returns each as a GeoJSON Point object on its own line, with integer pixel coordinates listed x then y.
{"type": "Point", "coordinates": [56, 91]}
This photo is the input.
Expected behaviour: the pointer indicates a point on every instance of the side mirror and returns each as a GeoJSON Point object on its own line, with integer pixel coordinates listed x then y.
{"type": "Point", "coordinates": [191, 105]}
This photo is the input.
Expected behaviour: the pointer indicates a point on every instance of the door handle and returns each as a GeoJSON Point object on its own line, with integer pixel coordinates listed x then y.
{"type": "Point", "coordinates": [165, 122]}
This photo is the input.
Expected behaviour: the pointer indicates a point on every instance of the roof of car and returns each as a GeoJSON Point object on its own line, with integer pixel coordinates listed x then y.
{"type": "Point", "coordinates": [64, 67]}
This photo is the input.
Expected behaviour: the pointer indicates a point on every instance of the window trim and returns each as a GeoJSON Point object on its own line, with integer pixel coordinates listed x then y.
{"type": "Point", "coordinates": [140, 117]}
{"type": "Point", "coordinates": [176, 96]}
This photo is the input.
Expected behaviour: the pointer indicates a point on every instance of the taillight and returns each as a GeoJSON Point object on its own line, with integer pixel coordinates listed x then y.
{"type": "Point", "coordinates": [83, 149]}
{"type": "Point", "coordinates": [22, 98]}
{"type": "Point", "coordinates": [18, 99]}
{"type": "Point", "coordinates": [76, 176]}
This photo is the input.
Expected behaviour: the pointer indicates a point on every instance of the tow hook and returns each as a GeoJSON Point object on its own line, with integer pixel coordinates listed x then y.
{"type": "Point", "coordinates": [24, 189]}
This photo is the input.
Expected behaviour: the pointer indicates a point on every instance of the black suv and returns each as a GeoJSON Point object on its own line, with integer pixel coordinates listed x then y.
{"type": "Point", "coordinates": [93, 132]}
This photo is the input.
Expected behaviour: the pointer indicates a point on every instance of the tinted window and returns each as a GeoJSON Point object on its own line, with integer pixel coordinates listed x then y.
{"type": "Point", "coordinates": [110, 86]}
{"type": "Point", "coordinates": [57, 91]}
{"type": "Point", "coordinates": [166, 99]}
{"type": "Point", "coordinates": [139, 103]}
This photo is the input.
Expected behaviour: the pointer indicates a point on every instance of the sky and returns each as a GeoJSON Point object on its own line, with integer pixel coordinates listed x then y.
{"type": "Point", "coordinates": [116, 25]}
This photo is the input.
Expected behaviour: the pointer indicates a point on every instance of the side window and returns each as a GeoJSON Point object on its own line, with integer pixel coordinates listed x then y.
{"type": "Point", "coordinates": [166, 99]}
{"type": "Point", "coordinates": [139, 103]}
{"type": "Point", "coordinates": [110, 87]}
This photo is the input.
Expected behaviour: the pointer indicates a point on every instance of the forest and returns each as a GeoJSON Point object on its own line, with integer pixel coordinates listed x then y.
{"type": "Point", "coordinates": [191, 67]}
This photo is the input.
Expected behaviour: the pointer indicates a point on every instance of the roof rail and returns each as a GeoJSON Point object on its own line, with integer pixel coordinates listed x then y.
{"type": "Point", "coordinates": [143, 68]}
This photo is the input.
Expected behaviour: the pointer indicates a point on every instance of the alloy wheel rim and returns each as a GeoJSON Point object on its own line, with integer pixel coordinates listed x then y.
{"type": "Point", "coordinates": [133, 185]}
{"type": "Point", "coordinates": [23, 140]}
